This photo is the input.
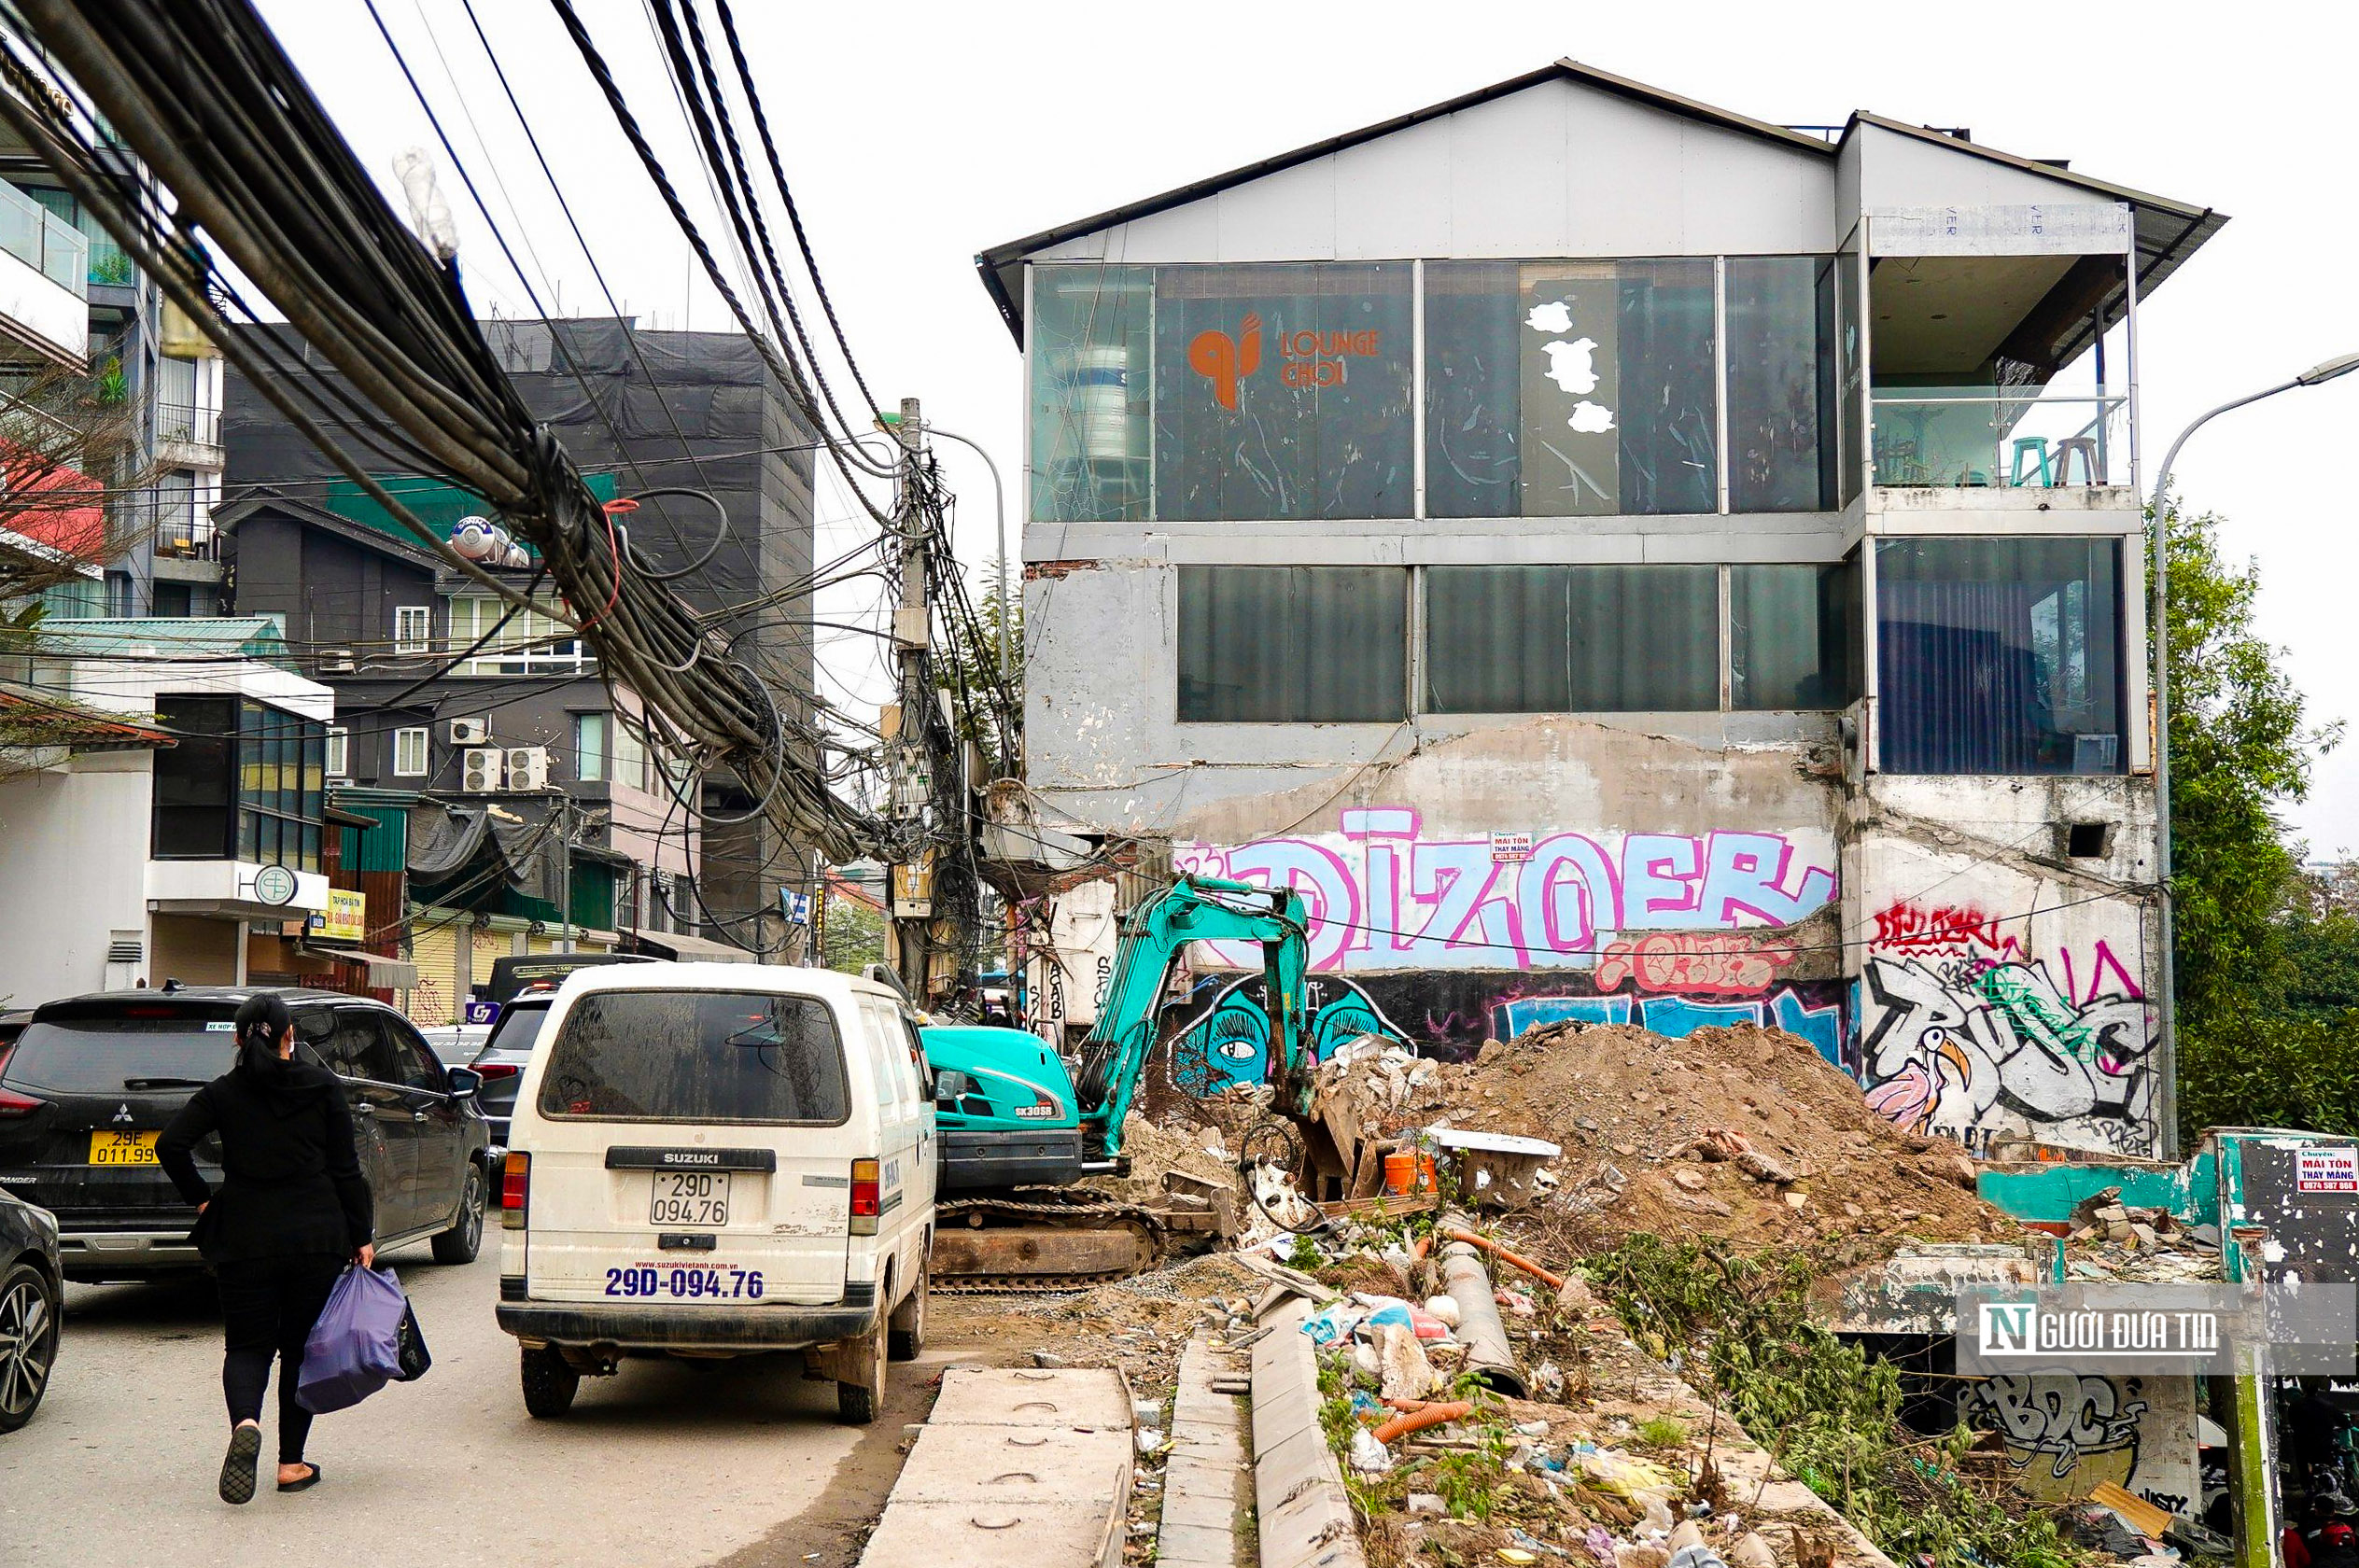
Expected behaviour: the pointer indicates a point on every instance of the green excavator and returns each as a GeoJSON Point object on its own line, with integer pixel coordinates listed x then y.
{"type": "Point", "coordinates": [1022, 1129]}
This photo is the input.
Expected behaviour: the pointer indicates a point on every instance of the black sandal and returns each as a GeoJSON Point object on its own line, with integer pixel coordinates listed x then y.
{"type": "Point", "coordinates": [237, 1466]}
{"type": "Point", "coordinates": [310, 1480]}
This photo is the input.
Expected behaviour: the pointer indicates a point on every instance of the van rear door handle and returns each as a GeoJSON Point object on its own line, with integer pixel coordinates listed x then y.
{"type": "Point", "coordinates": [417, 1115]}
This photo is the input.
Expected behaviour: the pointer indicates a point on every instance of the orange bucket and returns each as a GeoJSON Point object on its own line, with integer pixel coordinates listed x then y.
{"type": "Point", "coordinates": [1401, 1173]}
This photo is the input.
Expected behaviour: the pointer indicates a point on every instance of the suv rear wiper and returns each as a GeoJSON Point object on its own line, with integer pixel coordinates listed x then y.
{"type": "Point", "coordinates": [166, 1082]}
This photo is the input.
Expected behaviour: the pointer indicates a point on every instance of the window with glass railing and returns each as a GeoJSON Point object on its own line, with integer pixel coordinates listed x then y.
{"type": "Point", "coordinates": [526, 642]}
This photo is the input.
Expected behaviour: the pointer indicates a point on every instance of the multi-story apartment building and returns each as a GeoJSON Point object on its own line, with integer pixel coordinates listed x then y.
{"type": "Point", "coordinates": [146, 359]}
{"type": "Point", "coordinates": [1624, 561]}
{"type": "Point", "coordinates": [527, 722]}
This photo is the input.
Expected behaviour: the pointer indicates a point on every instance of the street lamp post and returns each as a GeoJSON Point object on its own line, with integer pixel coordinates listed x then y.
{"type": "Point", "coordinates": [2158, 631]}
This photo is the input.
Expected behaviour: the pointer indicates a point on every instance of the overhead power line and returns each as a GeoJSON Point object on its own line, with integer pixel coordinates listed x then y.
{"type": "Point", "coordinates": [204, 95]}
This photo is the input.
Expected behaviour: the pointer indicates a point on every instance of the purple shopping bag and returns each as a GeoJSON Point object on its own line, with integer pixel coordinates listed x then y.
{"type": "Point", "coordinates": [355, 1348]}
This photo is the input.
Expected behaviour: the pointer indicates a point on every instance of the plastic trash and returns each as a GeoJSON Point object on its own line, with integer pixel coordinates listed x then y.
{"type": "Point", "coordinates": [1332, 1322]}
{"type": "Point", "coordinates": [1444, 1308]}
{"type": "Point", "coordinates": [1368, 1456]}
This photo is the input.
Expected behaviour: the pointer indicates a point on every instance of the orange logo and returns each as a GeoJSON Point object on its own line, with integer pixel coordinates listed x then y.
{"type": "Point", "coordinates": [1224, 360]}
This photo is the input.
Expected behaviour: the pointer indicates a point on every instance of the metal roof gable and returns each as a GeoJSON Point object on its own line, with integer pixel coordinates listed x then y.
{"type": "Point", "coordinates": [990, 262]}
{"type": "Point", "coordinates": [2168, 232]}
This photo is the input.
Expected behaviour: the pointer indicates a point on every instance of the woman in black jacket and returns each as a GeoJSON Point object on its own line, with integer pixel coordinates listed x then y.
{"type": "Point", "coordinates": [292, 1206]}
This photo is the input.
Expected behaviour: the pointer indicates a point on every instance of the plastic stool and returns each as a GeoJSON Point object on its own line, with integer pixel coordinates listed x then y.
{"type": "Point", "coordinates": [2087, 447]}
{"type": "Point", "coordinates": [2038, 446]}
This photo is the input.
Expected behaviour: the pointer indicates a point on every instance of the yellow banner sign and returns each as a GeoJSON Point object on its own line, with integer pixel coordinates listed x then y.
{"type": "Point", "coordinates": [345, 919]}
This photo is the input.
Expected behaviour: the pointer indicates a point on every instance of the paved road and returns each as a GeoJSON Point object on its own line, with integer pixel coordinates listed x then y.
{"type": "Point", "coordinates": [660, 1464]}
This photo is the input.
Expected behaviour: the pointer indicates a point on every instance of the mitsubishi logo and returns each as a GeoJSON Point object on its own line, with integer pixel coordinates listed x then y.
{"type": "Point", "coordinates": [122, 1113]}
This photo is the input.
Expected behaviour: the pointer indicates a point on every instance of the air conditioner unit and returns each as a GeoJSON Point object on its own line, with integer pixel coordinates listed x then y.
{"type": "Point", "coordinates": [337, 661]}
{"type": "Point", "coordinates": [470, 732]}
{"type": "Point", "coordinates": [481, 771]}
{"type": "Point", "coordinates": [528, 767]}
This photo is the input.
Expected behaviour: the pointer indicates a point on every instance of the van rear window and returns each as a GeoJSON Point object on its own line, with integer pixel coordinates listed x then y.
{"type": "Point", "coordinates": [697, 1057]}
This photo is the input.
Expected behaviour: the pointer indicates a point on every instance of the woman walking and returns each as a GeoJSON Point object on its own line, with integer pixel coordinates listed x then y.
{"type": "Point", "coordinates": [292, 1206]}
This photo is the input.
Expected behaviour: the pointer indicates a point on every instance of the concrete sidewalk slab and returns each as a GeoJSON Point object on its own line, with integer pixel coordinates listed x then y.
{"type": "Point", "coordinates": [1022, 1468]}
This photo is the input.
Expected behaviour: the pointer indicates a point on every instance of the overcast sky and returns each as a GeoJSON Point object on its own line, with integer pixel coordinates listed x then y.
{"type": "Point", "coordinates": [917, 135]}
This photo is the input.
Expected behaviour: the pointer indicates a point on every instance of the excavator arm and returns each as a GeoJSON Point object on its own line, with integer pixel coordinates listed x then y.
{"type": "Point", "coordinates": [1194, 909]}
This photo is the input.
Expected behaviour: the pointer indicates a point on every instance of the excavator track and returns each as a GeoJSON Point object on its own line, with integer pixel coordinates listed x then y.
{"type": "Point", "coordinates": [1041, 1238]}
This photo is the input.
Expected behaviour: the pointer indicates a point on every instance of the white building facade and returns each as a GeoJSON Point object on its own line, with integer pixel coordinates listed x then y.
{"type": "Point", "coordinates": [1627, 562]}
{"type": "Point", "coordinates": [138, 866]}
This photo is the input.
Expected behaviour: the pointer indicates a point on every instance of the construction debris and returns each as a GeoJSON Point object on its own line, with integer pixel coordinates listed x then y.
{"type": "Point", "coordinates": [1725, 1132]}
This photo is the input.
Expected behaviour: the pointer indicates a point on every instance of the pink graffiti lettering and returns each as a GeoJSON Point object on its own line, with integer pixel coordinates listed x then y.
{"type": "Point", "coordinates": [1384, 894]}
{"type": "Point", "coordinates": [1692, 964]}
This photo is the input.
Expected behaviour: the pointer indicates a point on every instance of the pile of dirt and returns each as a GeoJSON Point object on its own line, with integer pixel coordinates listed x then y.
{"type": "Point", "coordinates": [1155, 1149]}
{"type": "Point", "coordinates": [1744, 1133]}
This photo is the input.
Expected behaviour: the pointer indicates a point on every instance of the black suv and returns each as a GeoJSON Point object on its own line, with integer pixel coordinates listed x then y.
{"type": "Point", "coordinates": [93, 1079]}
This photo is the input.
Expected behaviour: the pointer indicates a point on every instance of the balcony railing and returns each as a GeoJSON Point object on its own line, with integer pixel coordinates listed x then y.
{"type": "Point", "coordinates": [39, 238]}
{"type": "Point", "coordinates": [188, 422]}
{"type": "Point", "coordinates": [2014, 438]}
{"type": "Point", "coordinates": [183, 537]}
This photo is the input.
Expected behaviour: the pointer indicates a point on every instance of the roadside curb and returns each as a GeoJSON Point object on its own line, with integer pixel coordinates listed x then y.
{"type": "Point", "coordinates": [1016, 1468]}
{"type": "Point", "coordinates": [1305, 1515]}
{"type": "Point", "coordinates": [1207, 1501]}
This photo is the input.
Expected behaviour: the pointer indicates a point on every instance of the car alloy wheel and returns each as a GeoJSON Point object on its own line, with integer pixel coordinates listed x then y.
{"type": "Point", "coordinates": [28, 1344]}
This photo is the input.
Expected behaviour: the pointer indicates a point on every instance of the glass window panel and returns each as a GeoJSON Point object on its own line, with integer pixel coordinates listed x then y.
{"type": "Point", "coordinates": [310, 848]}
{"type": "Point", "coordinates": [1998, 655]}
{"type": "Point", "coordinates": [1851, 377]}
{"type": "Point", "coordinates": [1281, 391]}
{"type": "Point", "coordinates": [1793, 635]}
{"type": "Point", "coordinates": [1781, 383]}
{"type": "Point", "coordinates": [589, 746]}
{"type": "Point", "coordinates": [630, 755]}
{"type": "Point", "coordinates": [1573, 640]}
{"type": "Point", "coordinates": [1570, 388]}
{"type": "Point", "coordinates": [250, 835]}
{"type": "Point", "coordinates": [338, 755]}
{"type": "Point", "coordinates": [1269, 644]}
{"type": "Point", "coordinates": [1090, 335]}
{"type": "Point", "coordinates": [193, 779]}
{"type": "Point", "coordinates": [409, 753]}
{"type": "Point", "coordinates": [1496, 640]}
{"type": "Point", "coordinates": [1645, 639]}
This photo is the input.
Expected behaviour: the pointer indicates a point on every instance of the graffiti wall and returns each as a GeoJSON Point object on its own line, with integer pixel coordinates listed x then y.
{"type": "Point", "coordinates": [1449, 939]}
{"type": "Point", "coordinates": [1384, 893]}
{"type": "Point", "coordinates": [1974, 1028]}
{"type": "Point", "coordinates": [2065, 1433]}
{"type": "Point", "coordinates": [1224, 1036]}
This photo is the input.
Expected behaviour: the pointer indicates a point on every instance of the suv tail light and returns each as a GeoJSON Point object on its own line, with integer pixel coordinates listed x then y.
{"type": "Point", "coordinates": [489, 1070]}
{"type": "Point", "coordinates": [515, 1189]}
{"type": "Point", "coordinates": [865, 1198]}
{"type": "Point", "coordinates": [13, 1104]}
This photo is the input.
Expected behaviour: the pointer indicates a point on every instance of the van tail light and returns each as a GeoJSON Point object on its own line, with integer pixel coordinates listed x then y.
{"type": "Point", "coordinates": [489, 1070]}
{"type": "Point", "coordinates": [13, 1104]}
{"type": "Point", "coordinates": [515, 1189]}
{"type": "Point", "coordinates": [865, 1198]}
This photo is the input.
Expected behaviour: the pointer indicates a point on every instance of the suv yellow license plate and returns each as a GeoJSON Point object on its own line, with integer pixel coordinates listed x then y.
{"type": "Point", "coordinates": [122, 1148]}
{"type": "Point", "coordinates": [690, 1198]}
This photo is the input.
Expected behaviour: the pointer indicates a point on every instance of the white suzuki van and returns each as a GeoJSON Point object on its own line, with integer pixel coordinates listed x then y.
{"type": "Point", "coordinates": [714, 1160]}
